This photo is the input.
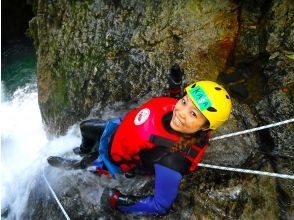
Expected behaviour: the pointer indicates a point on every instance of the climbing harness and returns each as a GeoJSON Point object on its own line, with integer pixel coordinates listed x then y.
{"type": "Point", "coordinates": [253, 129]}
{"type": "Point", "coordinates": [55, 197]}
{"type": "Point", "coordinates": [284, 176]}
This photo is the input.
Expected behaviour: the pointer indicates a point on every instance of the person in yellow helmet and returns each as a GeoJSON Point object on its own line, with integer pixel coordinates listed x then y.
{"type": "Point", "coordinates": [212, 100]}
{"type": "Point", "coordinates": [165, 136]}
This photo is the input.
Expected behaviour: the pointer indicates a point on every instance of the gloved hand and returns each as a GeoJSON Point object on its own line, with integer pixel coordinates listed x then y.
{"type": "Point", "coordinates": [112, 198]}
{"type": "Point", "coordinates": [109, 198]}
{"type": "Point", "coordinates": [175, 81]}
{"type": "Point", "coordinates": [175, 77]}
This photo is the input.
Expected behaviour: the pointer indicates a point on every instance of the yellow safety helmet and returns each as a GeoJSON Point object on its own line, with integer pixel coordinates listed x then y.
{"type": "Point", "coordinates": [212, 100]}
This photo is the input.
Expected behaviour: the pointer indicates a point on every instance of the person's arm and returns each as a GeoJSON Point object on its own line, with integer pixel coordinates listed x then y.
{"type": "Point", "coordinates": [167, 182]}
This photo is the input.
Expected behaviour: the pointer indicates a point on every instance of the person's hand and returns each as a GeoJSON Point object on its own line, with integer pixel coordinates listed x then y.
{"type": "Point", "coordinates": [175, 81]}
{"type": "Point", "coordinates": [175, 77]}
{"type": "Point", "coordinates": [109, 198]}
{"type": "Point", "coordinates": [112, 198]}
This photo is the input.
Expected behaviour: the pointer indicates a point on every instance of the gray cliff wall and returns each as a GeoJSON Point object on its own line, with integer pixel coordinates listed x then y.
{"type": "Point", "coordinates": [92, 52]}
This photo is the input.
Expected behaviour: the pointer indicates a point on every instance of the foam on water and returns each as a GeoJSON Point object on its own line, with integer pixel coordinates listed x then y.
{"type": "Point", "coordinates": [25, 147]}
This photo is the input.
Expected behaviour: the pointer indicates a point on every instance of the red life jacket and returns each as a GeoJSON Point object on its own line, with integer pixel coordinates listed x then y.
{"type": "Point", "coordinates": [143, 128]}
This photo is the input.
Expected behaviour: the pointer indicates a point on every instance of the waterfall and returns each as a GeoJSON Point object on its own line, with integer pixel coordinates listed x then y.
{"type": "Point", "coordinates": [25, 146]}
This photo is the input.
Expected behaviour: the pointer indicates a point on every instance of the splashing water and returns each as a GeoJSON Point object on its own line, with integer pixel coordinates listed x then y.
{"type": "Point", "coordinates": [24, 146]}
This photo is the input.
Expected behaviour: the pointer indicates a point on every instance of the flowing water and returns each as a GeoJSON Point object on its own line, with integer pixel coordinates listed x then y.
{"type": "Point", "coordinates": [25, 147]}
{"type": "Point", "coordinates": [23, 139]}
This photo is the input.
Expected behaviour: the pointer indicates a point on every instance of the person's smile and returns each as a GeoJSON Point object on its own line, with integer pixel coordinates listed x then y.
{"type": "Point", "coordinates": [177, 121]}
{"type": "Point", "coordinates": [186, 117]}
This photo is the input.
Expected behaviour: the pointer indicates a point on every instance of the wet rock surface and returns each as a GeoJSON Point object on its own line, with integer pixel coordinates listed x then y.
{"type": "Point", "coordinates": [79, 192]}
{"type": "Point", "coordinates": [239, 150]}
{"type": "Point", "coordinates": [278, 106]}
{"type": "Point", "coordinates": [101, 51]}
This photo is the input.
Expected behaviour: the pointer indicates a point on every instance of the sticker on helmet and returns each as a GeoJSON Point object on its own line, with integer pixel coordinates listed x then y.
{"type": "Point", "coordinates": [142, 116]}
{"type": "Point", "coordinates": [200, 98]}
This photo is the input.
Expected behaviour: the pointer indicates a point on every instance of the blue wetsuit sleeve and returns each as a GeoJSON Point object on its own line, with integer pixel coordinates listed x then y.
{"type": "Point", "coordinates": [167, 182]}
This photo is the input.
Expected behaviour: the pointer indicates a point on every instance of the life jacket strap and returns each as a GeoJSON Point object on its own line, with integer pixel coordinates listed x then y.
{"type": "Point", "coordinates": [191, 152]}
{"type": "Point", "coordinates": [194, 155]}
{"type": "Point", "coordinates": [161, 141]}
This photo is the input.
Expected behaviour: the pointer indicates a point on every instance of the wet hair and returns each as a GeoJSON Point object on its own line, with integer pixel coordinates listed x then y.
{"type": "Point", "coordinates": [198, 138]}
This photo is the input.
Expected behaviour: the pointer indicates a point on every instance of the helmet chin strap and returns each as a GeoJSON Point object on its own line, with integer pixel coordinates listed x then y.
{"type": "Point", "coordinates": [205, 127]}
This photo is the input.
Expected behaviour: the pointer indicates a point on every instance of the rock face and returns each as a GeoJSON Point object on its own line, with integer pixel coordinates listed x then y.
{"type": "Point", "coordinates": [277, 104]}
{"type": "Point", "coordinates": [95, 53]}
{"type": "Point", "coordinates": [102, 52]}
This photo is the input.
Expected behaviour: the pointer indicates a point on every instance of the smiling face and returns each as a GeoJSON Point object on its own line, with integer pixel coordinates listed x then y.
{"type": "Point", "coordinates": [187, 118]}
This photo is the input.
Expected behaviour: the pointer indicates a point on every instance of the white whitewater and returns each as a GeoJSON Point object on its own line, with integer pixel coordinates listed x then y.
{"type": "Point", "coordinates": [25, 147]}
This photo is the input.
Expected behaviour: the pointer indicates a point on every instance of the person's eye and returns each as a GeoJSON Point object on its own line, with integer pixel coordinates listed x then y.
{"type": "Point", "coordinates": [184, 101]}
{"type": "Point", "coordinates": [194, 114]}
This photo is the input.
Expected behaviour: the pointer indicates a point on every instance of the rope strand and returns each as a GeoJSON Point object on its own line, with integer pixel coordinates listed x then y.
{"type": "Point", "coordinates": [257, 172]}
{"type": "Point", "coordinates": [252, 130]}
{"type": "Point", "coordinates": [55, 197]}
{"type": "Point", "coordinates": [285, 176]}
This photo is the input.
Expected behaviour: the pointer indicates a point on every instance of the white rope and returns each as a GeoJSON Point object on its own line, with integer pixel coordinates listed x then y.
{"type": "Point", "coordinates": [55, 197]}
{"type": "Point", "coordinates": [253, 129]}
{"type": "Point", "coordinates": [284, 176]}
